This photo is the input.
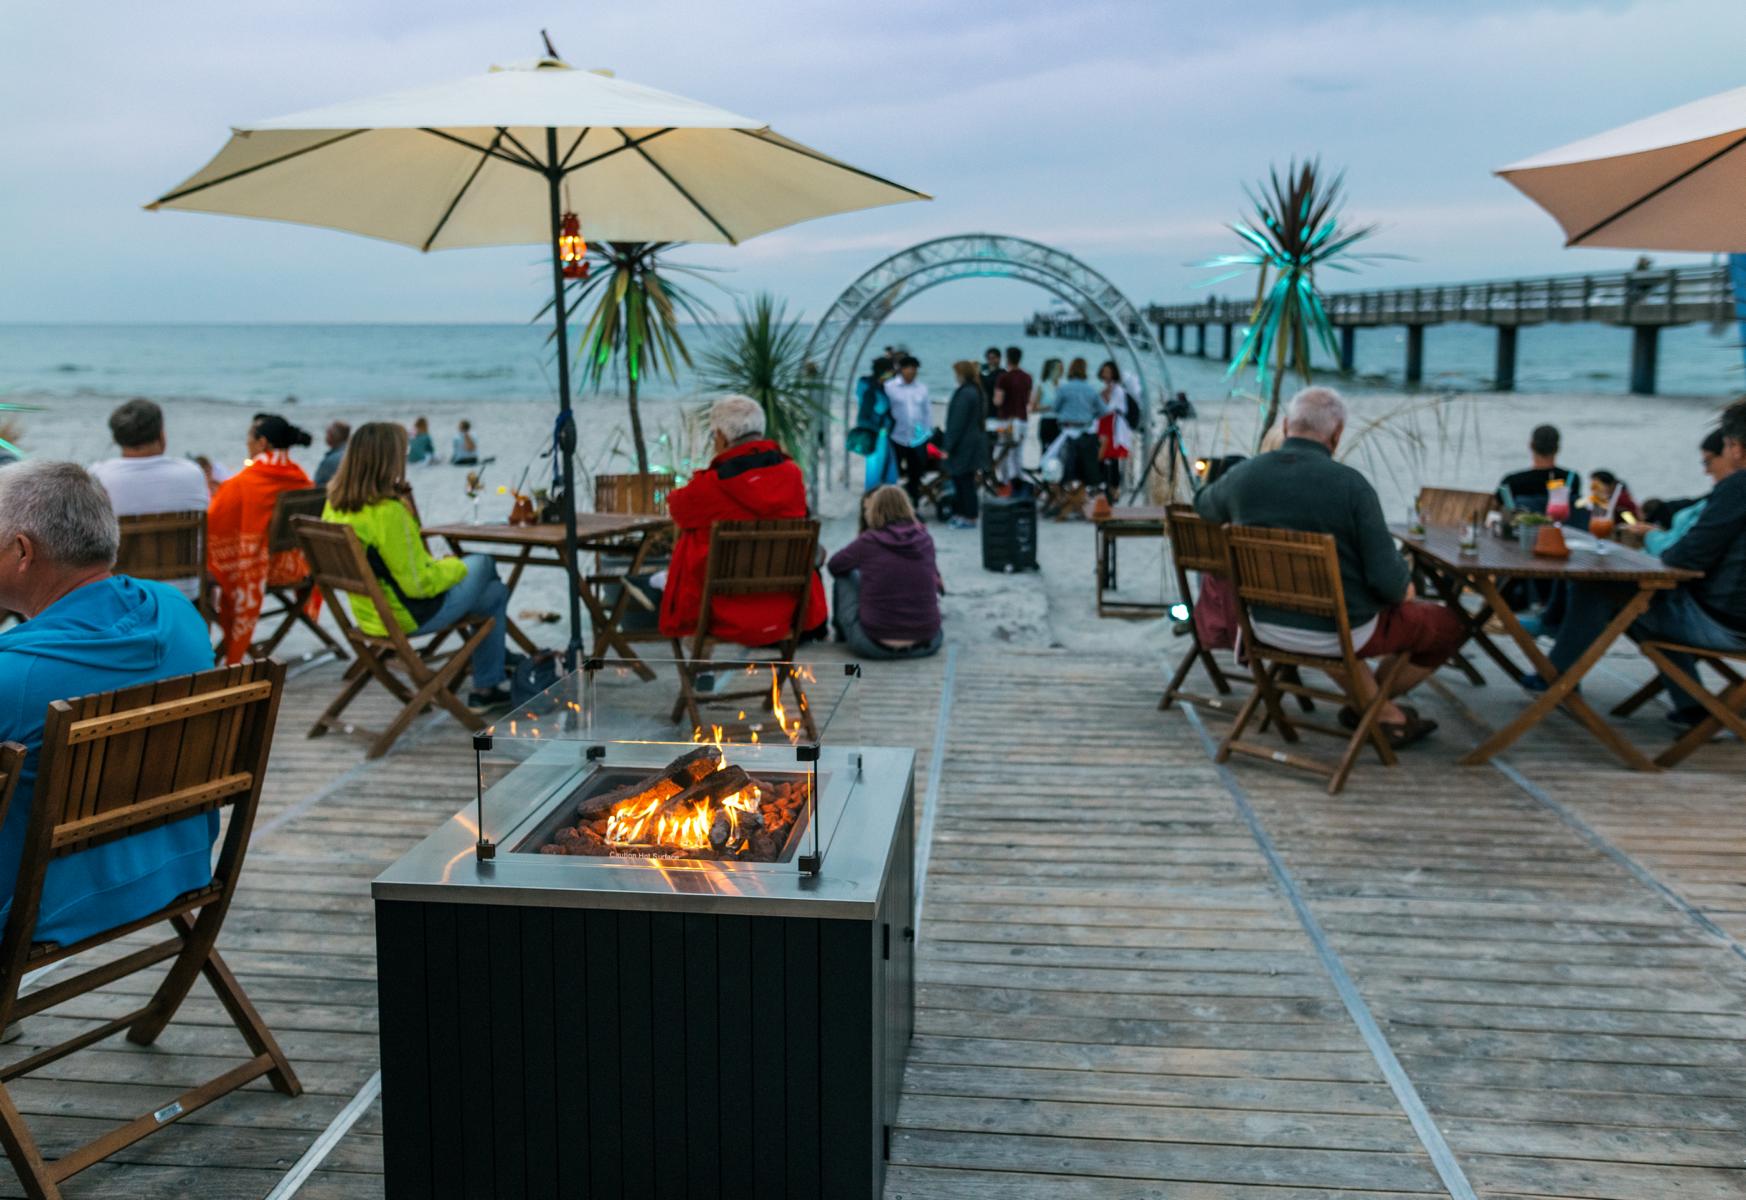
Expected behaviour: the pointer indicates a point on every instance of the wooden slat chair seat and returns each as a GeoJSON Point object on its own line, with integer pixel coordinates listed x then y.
{"type": "Point", "coordinates": [168, 548]}
{"type": "Point", "coordinates": [292, 598]}
{"type": "Point", "coordinates": [749, 558]}
{"type": "Point", "coordinates": [341, 570]}
{"type": "Point", "coordinates": [1451, 508]}
{"type": "Point", "coordinates": [1298, 572]}
{"type": "Point", "coordinates": [113, 765]}
{"type": "Point", "coordinates": [1725, 709]}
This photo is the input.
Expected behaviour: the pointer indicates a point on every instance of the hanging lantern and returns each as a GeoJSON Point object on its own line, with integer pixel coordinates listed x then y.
{"type": "Point", "coordinates": [572, 250]}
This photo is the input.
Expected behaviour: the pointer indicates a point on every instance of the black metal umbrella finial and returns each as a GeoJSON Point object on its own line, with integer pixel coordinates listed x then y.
{"type": "Point", "coordinates": [551, 50]}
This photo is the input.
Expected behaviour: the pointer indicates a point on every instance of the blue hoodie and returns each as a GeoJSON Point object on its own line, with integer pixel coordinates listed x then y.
{"type": "Point", "coordinates": [96, 638]}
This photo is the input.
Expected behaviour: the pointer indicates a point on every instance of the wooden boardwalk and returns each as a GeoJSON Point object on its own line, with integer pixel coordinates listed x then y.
{"type": "Point", "coordinates": [1117, 996]}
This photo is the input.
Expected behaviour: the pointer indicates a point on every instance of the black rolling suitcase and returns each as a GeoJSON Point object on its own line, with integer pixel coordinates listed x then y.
{"type": "Point", "coordinates": [1009, 533]}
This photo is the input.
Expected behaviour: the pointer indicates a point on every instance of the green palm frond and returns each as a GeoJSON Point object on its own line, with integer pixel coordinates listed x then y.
{"type": "Point", "coordinates": [764, 358]}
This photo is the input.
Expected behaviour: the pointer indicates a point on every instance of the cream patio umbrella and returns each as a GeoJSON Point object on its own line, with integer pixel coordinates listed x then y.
{"type": "Point", "coordinates": [1673, 181]}
{"type": "Point", "coordinates": [497, 159]}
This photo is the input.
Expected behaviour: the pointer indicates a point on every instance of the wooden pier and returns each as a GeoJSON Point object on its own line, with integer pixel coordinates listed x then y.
{"type": "Point", "coordinates": [1645, 302]}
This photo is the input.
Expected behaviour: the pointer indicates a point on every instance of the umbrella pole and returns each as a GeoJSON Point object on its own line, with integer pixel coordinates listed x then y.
{"type": "Point", "coordinates": [566, 439]}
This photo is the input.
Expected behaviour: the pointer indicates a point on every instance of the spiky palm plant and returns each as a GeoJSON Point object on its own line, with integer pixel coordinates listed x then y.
{"type": "Point", "coordinates": [635, 323]}
{"type": "Point", "coordinates": [10, 430]}
{"type": "Point", "coordinates": [764, 358]}
{"type": "Point", "coordinates": [1295, 232]}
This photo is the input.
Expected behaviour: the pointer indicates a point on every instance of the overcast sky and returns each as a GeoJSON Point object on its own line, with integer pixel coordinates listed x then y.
{"type": "Point", "coordinates": [1120, 130]}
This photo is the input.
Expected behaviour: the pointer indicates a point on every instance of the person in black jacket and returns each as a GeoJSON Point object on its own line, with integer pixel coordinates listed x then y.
{"type": "Point", "coordinates": [1709, 612]}
{"type": "Point", "coordinates": [966, 444]}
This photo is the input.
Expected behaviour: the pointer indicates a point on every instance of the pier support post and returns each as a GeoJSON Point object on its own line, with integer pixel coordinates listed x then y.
{"type": "Point", "coordinates": [1227, 345]}
{"type": "Point", "coordinates": [1504, 378]}
{"type": "Point", "coordinates": [1348, 347]}
{"type": "Point", "coordinates": [1645, 348]}
{"type": "Point", "coordinates": [1200, 339]}
{"type": "Point", "coordinates": [1176, 346]}
{"type": "Point", "coordinates": [1415, 358]}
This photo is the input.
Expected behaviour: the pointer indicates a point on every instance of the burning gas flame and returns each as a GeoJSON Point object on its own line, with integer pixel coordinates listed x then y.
{"type": "Point", "coordinates": [640, 821]}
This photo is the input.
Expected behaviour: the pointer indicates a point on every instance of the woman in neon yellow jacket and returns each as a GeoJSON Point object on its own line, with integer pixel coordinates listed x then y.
{"type": "Point", "coordinates": [370, 493]}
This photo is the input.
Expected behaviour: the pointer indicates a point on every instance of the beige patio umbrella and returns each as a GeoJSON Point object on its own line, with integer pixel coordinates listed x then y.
{"type": "Point", "coordinates": [1673, 181]}
{"type": "Point", "coordinates": [497, 159]}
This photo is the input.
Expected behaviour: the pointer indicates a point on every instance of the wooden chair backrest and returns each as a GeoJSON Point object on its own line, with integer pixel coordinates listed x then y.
{"type": "Point", "coordinates": [631, 494]}
{"type": "Point", "coordinates": [1195, 544]}
{"type": "Point", "coordinates": [755, 558]}
{"type": "Point", "coordinates": [119, 763]}
{"type": "Point", "coordinates": [1287, 570]}
{"type": "Point", "coordinates": [340, 568]}
{"type": "Point", "coordinates": [11, 763]}
{"type": "Point", "coordinates": [163, 546]}
{"type": "Point", "coordinates": [1452, 507]}
{"type": "Point", "coordinates": [304, 502]}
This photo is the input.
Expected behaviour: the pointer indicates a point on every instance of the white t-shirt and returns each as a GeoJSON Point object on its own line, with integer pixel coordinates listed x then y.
{"type": "Point", "coordinates": [1312, 641]}
{"type": "Point", "coordinates": [155, 483]}
{"type": "Point", "coordinates": [911, 414]}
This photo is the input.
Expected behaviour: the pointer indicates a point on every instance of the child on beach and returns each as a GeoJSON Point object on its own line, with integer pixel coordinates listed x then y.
{"type": "Point", "coordinates": [466, 450]}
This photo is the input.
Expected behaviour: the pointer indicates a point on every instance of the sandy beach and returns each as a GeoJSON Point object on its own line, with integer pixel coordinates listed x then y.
{"type": "Point", "coordinates": [1454, 440]}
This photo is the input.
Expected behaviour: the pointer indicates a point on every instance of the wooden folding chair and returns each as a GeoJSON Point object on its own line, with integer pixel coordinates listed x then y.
{"type": "Point", "coordinates": [169, 548]}
{"type": "Point", "coordinates": [341, 569]}
{"type": "Point", "coordinates": [1285, 570]}
{"type": "Point", "coordinates": [1195, 545]}
{"type": "Point", "coordinates": [292, 598]}
{"type": "Point", "coordinates": [633, 495]}
{"type": "Point", "coordinates": [1726, 709]}
{"type": "Point", "coordinates": [750, 558]}
{"type": "Point", "coordinates": [117, 764]}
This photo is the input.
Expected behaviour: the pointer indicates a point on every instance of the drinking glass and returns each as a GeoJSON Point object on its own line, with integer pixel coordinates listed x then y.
{"type": "Point", "coordinates": [1470, 538]}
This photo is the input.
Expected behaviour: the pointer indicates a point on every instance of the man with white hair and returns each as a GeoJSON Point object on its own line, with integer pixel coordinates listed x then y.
{"type": "Point", "coordinates": [748, 479]}
{"type": "Point", "coordinates": [1300, 486]}
{"type": "Point", "coordinates": [88, 630]}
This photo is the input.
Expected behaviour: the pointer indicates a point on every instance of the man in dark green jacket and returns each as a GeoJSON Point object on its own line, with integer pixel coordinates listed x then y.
{"type": "Point", "coordinates": [1300, 486]}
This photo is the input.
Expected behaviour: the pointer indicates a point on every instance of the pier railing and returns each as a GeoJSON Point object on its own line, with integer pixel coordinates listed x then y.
{"type": "Point", "coordinates": [1658, 296]}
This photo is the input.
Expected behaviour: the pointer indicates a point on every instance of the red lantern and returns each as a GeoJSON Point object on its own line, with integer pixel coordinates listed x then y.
{"type": "Point", "coordinates": [572, 250]}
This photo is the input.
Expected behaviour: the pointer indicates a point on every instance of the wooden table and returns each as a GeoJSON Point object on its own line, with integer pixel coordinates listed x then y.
{"type": "Point", "coordinates": [1125, 523]}
{"type": "Point", "coordinates": [543, 546]}
{"type": "Point", "coordinates": [1494, 561]}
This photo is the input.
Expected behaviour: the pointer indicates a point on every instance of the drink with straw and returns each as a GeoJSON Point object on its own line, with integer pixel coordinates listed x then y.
{"type": "Point", "coordinates": [1558, 500]}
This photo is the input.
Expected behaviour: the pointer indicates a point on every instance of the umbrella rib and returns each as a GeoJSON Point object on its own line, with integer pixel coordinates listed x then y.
{"type": "Point", "coordinates": [679, 187]}
{"type": "Point", "coordinates": [564, 163]}
{"type": "Point", "coordinates": [831, 162]}
{"type": "Point", "coordinates": [630, 144]}
{"type": "Point", "coordinates": [1664, 186]}
{"type": "Point", "coordinates": [453, 204]}
{"type": "Point", "coordinates": [271, 162]}
{"type": "Point", "coordinates": [478, 149]}
{"type": "Point", "coordinates": [532, 158]}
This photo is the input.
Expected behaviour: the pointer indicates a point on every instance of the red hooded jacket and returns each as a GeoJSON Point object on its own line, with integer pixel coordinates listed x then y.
{"type": "Point", "coordinates": [753, 481]}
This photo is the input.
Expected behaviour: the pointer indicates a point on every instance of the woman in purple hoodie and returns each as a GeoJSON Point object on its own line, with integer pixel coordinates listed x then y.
{"type": "Point", "coordinates": [886, 592]}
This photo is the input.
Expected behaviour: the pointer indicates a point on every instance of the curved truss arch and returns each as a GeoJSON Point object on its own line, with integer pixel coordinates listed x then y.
{"type": "Point", "coordinates": [869, 301]}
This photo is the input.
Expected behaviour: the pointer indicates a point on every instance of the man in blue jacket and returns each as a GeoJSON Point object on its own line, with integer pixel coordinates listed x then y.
{"type": "Point", "coordinates": [1709, 612]}
{"type": "Point", "coordinates": [87, 630]}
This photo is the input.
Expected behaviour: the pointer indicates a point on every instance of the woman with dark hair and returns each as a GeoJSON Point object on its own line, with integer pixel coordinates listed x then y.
{"type": "Point", "coordinates": [236, 531]}
{"type": "Point", "coordinates": [966, 444]}
{"type": "Point", "coordinates": [424, 593]}
{"type": "Point", "coordinates": [1115, 438]}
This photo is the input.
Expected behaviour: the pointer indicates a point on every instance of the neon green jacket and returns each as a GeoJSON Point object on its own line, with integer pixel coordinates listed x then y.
{"type": "Point", "coordinates": [389, 527]}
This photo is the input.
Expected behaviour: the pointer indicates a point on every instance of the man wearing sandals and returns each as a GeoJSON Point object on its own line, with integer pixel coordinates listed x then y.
{"type": "Point", "coordinates": [1301, 487]}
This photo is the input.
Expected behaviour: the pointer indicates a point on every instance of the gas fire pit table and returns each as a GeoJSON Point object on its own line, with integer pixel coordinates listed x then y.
{"type": "Point", "coordinates": [651, 960]}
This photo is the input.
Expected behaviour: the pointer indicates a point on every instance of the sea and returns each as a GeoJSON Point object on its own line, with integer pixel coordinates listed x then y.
{"type": "Point", "coordinates": [401, 366]}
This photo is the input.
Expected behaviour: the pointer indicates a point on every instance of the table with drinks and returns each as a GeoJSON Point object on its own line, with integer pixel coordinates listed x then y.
{"type": "Point", "coordinates": [1483, 557]}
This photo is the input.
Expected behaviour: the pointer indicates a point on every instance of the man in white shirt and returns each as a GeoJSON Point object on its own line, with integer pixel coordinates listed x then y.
{"type": "Point", "coordinates": [913, 417]}
{"type": "Point", "coordinates": [144, 479]}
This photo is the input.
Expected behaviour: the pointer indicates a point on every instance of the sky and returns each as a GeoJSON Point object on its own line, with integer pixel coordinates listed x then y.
{"type": "Point", "coordinates": [1121, 131]}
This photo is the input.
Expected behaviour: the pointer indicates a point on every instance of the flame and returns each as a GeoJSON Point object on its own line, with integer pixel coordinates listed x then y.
{"type": "Point", "coordinates": [640, 822]}
{"type": "Point", "coordinates": [793, 728]}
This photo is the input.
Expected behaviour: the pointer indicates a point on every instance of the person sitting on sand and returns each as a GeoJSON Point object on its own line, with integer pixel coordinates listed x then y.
{"type": "Point", "coordinates": [424, 593]}
{"type": "Point", "coordinates": [748, 479]}
{"type": "Point", "coordinates": [236, 531]}
{"type": "Point", "coordinates": [885, 589]}
{"type": "Point", "coordinates": [337, 434]}
{"type": "Point", "coordinates": [145, 480]}
{"type": "Point", "coordinates": [1300, 486]}
{"type": "Point", "coordinates": [420, 448]}
{"type": "Point", "coordinates": [1708, 612]}
{"type": "Point", "coordinates": [466, 450]}
{"type": "Point", "coordinates": [88, 630]}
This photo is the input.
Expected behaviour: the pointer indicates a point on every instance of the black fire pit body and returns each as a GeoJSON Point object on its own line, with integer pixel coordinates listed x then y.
{"type": "Point", "coordinates": [606, 1027]}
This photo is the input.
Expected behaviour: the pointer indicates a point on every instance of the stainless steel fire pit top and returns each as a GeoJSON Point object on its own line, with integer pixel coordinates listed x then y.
{"type": "Point", "coordinates": [861, 794]}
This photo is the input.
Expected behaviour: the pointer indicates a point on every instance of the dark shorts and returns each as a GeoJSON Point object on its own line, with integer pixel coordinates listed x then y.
{"type": "Point", "coordinates": [1426, 632]}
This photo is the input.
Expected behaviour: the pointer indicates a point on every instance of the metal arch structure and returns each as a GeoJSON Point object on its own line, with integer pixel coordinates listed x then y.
{"type": "Point", "coordinates": [868, 303]}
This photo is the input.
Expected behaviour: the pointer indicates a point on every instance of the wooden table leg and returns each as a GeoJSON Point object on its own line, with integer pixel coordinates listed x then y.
{"type": "Point", "coordinates": [518, 565]}
{"type": "Point", "coordinates": [606, 631]}
{"type": "Point", "coordinates": [1449, 588]}
{"type": "Point", "coordinates": [1561, 687]}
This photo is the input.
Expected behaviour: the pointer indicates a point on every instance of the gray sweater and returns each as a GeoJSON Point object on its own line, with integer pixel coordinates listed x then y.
{"type": "Point", "coordinates": [1300, 486]}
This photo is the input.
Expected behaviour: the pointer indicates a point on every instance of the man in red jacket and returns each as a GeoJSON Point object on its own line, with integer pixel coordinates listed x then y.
{"type": "Point", "coordinates": [749, 479]}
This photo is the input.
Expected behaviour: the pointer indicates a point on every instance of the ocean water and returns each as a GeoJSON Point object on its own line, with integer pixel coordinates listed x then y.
{"type": "Point", "coordinates": [404, 365]}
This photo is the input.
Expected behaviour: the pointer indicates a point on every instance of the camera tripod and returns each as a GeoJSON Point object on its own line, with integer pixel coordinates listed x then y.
{"type": "Point", "coordinates": [1176, 467]}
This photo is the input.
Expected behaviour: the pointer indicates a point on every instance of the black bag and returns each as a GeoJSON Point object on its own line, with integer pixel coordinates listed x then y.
{"type": "Point", "coordinates": [422, 608]}
{"type": "Point", "coordinates": [1134, 414]}
{"type": "Point", "coordinates": [533, 675]}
